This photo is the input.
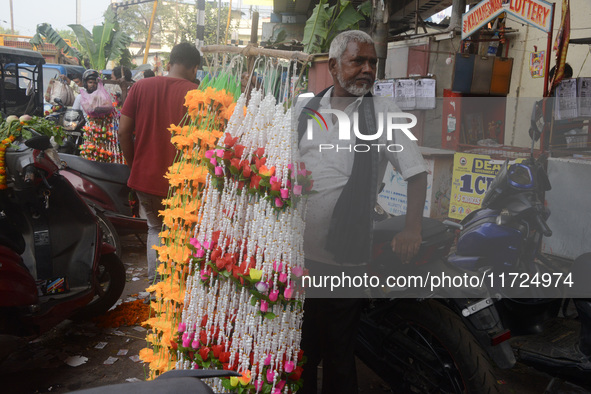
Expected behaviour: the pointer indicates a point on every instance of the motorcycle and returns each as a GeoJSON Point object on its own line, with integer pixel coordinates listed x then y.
{"type": "Point", "coordinates": [72, 121]}
{"type": "Point", "coordinates": [104, 187]}
{"type": "Point", "coordinates": [54, 264]}
{"type": "Point", "coordinates": [441, 339]}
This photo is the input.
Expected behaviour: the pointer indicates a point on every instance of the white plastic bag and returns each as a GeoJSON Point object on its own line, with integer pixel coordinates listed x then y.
{"type": "Point", "coordinates": [58, 89]}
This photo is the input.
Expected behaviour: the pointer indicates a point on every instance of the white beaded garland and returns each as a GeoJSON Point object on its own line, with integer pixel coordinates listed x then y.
{"type": "Point", "coordinates": [250, 227]}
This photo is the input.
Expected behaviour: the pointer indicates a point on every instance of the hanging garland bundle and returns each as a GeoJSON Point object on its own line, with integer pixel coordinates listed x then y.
{"type": "Point", "coordinates": [208, 110]}
{"type": "Point", "coordinates": [100, 140]}
{"type": "Point", "coordinates": [243, 304]}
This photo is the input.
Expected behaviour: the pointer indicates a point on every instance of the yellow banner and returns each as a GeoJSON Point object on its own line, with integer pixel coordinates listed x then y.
{"type": "Point", "coordinates": [471, 177]}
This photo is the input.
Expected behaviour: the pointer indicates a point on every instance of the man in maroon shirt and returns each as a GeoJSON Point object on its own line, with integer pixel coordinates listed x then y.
{"type": "Point", "coordinates": [152, 105]}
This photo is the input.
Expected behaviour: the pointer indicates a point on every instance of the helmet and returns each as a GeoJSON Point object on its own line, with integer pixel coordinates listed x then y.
{"type": "Point", "coordinates": [90, 74]}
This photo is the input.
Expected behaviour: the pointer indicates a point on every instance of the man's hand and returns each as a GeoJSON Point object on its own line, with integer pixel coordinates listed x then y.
{"type": "Point", "coordinates": [125, 134]}
{"type": "Point", "coordinates": [406, 244]}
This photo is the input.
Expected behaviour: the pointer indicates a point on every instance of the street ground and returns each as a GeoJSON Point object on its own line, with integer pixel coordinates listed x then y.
{"type": "Point", "coordinates": [75, 356]}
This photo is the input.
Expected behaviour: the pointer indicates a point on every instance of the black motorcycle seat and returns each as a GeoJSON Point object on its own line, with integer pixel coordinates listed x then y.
{"type": "Point", "coordinates": [113, 172]}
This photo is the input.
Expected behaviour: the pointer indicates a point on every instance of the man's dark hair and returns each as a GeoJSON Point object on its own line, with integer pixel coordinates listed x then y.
{"type": "Point", "coordinates": [76, 75]}
{"type": "Point", "coordinates": [149, 74]}
{"type": "Point", "coordinates": [568, 72]}
{"type": "Point", "coordinates": [186, 54]}
{"type": "Point", "coordinates": [126, 72]}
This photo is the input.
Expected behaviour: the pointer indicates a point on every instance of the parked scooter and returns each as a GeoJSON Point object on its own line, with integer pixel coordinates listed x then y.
{"type": "Point", "coordinates": [53, 263]}
{"type": "Point", "coordinates": [432, 342]}
{"type": "Point", "coordinates": [104, 187]}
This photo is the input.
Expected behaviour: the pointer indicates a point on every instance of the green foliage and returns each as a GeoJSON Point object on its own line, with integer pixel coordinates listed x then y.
{"type": "Point", "coordinates": [8, 31]}
{"type": "Point", "coordinates": [174, 22]}
{"type": "Point", "coordinates": [326, 22]}
{"type": "Point", "coordinates": [44, 30]}
{"type": "Point", "coordinates": [106, 42]}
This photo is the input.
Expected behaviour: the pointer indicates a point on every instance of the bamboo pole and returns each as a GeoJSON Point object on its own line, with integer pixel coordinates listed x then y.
{"type": "Point", "coordinates": [150, 32]}
{"type": "Point", "coordinates": [228, 23]}
{"type": "Point", "coordinates": [251, 50]}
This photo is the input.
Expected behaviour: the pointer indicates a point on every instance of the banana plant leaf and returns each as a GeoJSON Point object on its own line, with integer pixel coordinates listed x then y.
{"type": "Point", "coordinates": [316, 29]}
{"type": "Point", "coordinates": [326, 22]}
{"type": "Point", "coordinates": [347, 19]}
{"type": "Point", "coordinates": [52, 37]}
{"type": "Point", "coordinates": [105, 42]}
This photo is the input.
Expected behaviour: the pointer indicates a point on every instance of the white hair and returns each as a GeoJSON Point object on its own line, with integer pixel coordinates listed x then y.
{"type": "Point", "coordinates": [340, 42]}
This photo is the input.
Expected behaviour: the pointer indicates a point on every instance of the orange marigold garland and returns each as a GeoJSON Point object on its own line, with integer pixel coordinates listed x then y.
{"type": "Point", "coordinates": [207, 115]}
{"type": "Point", "coordinates": [243, 302]}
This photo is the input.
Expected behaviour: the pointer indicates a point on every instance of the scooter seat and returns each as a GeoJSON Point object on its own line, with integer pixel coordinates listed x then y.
{"type": "Point", "coordinates": [113, 172]}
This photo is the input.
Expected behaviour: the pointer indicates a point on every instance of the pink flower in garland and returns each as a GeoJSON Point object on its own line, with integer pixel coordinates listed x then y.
{"type": "Point", "coordinates": [289, 366]}
{"type": "Point", "coordinates": [288, 293]}
{"type": "Point", "coordinates": [297, 271]}
{"type": "Point", "coordinates": [270, 375]}
{"type": "Point", "coordinates": [258, 385]}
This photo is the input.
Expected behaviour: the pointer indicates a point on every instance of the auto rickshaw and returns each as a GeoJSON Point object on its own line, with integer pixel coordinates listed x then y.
{"type": "Point", "coordinates": [21, 82]}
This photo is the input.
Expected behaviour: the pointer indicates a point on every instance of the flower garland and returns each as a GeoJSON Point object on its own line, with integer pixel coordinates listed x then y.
{"type": "Point", "coordinates": [11, 129]}
{"type": "Point", "coordinates": [243, 305]}
{"type": "Point", "coordinates": [3, 145]}
{"type": "Point", "coordinates": [100, 139]}
{"type": "Point", "coordinates": [208, 111]}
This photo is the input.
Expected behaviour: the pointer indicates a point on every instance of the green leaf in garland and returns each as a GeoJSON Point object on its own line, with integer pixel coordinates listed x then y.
{"type": "Point", "coordinates": [270, 315]}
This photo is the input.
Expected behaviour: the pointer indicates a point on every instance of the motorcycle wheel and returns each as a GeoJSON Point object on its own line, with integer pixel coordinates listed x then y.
{"type": "Point", "coordinates": [446, 357]}
{"type": "Point", "coordinates": [110, 278]}
{"type": "Point", "coordinates": [110, 235]}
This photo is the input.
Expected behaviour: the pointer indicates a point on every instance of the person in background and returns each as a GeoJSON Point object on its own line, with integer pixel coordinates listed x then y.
{"type": "Point", "coordinates": [121, 73]}
{"type": "Point", "coordinates": [77, 79]}
{"type": "Point", "coordinates": [90, 84]}
{"type": "Point", "coordinates": [76, 83]}
{"type": "Point", "coordinates": [152, 105]}
{"type": "Point", "coordinates": [149, 74]}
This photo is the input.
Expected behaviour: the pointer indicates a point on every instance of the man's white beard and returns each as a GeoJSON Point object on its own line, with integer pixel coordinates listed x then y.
{"type": "Point", "coordinates": [352, 88]}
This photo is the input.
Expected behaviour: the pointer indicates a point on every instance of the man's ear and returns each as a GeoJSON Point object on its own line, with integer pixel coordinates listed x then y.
{"type": "Point", "coordinates": [332, 66]}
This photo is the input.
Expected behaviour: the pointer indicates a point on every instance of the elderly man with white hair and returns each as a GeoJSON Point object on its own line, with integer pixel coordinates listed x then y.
{"type": "Point", "coordinates": [337, 238]}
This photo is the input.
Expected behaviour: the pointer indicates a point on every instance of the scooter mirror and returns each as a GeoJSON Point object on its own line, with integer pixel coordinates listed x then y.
{"type": "Point", "coordinates": [40, 142]}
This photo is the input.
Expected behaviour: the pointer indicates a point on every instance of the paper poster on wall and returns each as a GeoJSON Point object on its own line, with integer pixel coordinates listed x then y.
{"type": "Point", "coordinates": [425, 93]}
{"type": "Point", "coordinates": [584, 102]}
{"type": "Point", "coordinates": [537, 62]}
{"type": "Point", "coordinates": [404, 93]}
{"type": "Point", "coordinates": [566, 99]}
{"type": "Point", "coordinates": [383, 88]}
{"type": "Point", "coordinates": [472, 175]}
